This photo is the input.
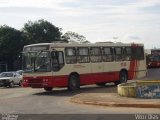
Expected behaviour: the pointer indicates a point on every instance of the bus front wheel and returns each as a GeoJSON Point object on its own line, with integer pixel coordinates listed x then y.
{"type": "Point", "coordinates": [73, 83]}
{"type": "Point", "coordinates": [48, 89]}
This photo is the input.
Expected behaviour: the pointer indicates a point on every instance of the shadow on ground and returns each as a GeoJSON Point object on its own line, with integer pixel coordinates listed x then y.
{"type": "Point", "coordinates": [109, 88]}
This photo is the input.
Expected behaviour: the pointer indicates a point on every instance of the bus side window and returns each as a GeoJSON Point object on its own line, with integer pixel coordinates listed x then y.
{"type": "Point", "coordinates": [119, 54]}
{"type": "Point", "coordinates": [95, 54]}
{"type": "Point", "coordinates": [107, 54]}
{"type": "Point", "coordinates": [70, 54]}
{"type": "Point", "coordinates": [83, 55]}
{"type": "Point", "coordinates": [128, 53]}
{"type": "Point", "coordinates": [57, 60]}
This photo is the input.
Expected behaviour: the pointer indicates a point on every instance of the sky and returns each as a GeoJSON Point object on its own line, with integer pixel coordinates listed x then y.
{"type": "Point", "coordinates": [124, 21]}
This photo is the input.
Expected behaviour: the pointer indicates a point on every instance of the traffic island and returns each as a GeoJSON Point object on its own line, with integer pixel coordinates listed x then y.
{"type": "Point", "coordinates": [127, 89]}
{"type": "Point", "coordinates": [149, 89]}
{"type": "Point", "coordinates": [129, 95]}
{"type": "Point", "coordinates": [114, 100]}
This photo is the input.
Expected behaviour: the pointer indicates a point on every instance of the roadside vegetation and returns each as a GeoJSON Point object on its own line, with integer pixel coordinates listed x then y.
{"type": "Point", "coordinates": [40, 31]}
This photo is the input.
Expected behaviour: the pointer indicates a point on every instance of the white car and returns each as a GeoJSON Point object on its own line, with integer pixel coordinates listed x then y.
{"type": "Point", "coordinates": [10, 79]}
{"type": "Point", "coordinates": [20, 72]}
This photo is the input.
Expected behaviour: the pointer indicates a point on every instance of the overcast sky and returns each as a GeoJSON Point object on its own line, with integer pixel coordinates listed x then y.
{"type": "Point", "coordinates": [98, 20]}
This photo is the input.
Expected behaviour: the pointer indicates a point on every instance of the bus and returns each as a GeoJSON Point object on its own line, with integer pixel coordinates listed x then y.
{"type": "Point", "coordinates": [50, 65]}
{"type": "Point", "coordinates": [154, 59]}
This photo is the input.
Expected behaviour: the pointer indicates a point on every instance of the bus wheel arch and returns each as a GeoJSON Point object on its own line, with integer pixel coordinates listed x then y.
{"type": "Point", "coordinates": [123, 77]}
{"type": "Point", "coordinates": [73, 81]}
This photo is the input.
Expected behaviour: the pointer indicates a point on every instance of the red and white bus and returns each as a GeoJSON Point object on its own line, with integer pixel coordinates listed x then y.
{"type": "Point", "coordinates": [49, 65]}
{"type": "Point", "coordinates": [154, 59]}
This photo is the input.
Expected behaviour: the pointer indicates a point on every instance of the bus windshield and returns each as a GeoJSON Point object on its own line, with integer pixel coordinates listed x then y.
{"type": "Point", "coordinates": [36, 61]}
{"type": "Point", "coordinates": [155, 58]}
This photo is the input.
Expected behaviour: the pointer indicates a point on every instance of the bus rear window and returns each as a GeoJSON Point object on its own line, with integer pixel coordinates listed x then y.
{"type": "Point", "coordinates": [138, 53]}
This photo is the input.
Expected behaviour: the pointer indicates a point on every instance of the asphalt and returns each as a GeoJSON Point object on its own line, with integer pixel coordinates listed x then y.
{"type": "Point", "coordinates": [112, 99]}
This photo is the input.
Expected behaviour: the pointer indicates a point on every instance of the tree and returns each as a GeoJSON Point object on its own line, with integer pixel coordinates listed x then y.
{"type": "Point", "coordinates": [41, 31]}
{"type": "Point", "coordinates": [11, 45]}
{"type": "Point", "coordinates": [74, 37]}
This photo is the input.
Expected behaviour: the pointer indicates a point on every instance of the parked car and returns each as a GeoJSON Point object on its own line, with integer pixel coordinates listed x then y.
{"type": "Point", "coordinates": [10, 79]}
{"type": "Point", "coordinates": [20, 72]}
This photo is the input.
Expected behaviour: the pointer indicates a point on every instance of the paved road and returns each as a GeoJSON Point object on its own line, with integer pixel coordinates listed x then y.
{"type": "Point", "coordinates": [153, 74]}
{"type": "Point", "coordinates": [36, 101]}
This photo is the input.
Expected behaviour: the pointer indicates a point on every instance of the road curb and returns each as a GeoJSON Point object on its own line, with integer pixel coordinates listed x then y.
{"type": "Point", "coordinates": [82, 99]}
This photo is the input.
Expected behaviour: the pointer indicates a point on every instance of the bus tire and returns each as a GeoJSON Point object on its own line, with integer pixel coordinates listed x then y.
{"type": "Point", "coordinates": [73, 83]}
{"type": "Point", "coordinates": [102, 84]}
{"type": "Point", "coordinates": [123, 76]}
{"type": "Point", "coordinates": [48, 89]}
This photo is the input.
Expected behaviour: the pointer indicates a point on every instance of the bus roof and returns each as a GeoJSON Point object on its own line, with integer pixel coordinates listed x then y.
{"type": "Point", "coordinates": [85, 44]}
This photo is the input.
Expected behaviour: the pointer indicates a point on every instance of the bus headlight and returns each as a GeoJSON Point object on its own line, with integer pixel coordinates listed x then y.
{"type": "Point", "coordinates": [25, 80]}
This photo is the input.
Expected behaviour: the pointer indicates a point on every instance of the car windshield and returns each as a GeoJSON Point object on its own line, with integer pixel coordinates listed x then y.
{"type": "Point", "coordinates": [36, 61]}
{"type": "Point", "coordinates": [6, 75]}
{"type": "Point", "coordinates": [20, 72]}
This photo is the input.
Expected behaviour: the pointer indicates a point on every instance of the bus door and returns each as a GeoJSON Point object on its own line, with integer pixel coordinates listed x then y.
{"type": "Point", "coordinates": [57, 65]}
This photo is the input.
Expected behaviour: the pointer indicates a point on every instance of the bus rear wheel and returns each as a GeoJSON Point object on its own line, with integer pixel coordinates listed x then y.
{"type": "Point", "coordinates": [73, 83]}
{"type": "Point", "coordinates": [48, 89]}
{"type": "Point", "coordinates": [122, 78]}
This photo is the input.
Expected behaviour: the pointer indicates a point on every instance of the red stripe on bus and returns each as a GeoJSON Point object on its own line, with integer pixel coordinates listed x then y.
{"type": "Point", "coordinates": [133, 66]}
{"type": "Point", "coordinates": [135, 70]}
{"type": "Point", "coordinates": [132, 69]}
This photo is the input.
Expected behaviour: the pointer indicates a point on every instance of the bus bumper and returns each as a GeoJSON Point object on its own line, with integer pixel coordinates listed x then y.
{"type": "Point", "coordinates": [36, 85]}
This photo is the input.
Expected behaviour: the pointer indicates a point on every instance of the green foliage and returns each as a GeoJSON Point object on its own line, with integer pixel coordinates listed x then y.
{"type": "Point", "coordinates": [74, 37]}
{"type": "Point", "coordinates": [41, 31]}
{"type": "Point", "coordinates": [12, 41]}
{"type": "Point", "coordinates": [11, 45]}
